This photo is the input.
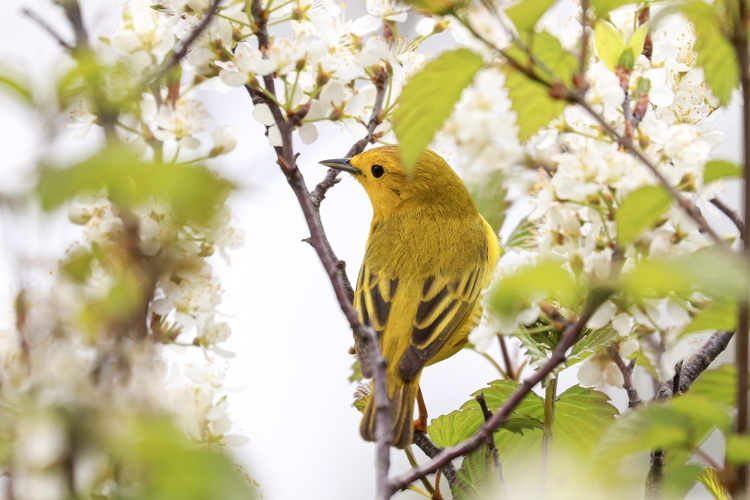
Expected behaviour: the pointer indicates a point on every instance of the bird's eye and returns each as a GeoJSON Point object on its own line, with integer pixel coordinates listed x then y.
{"type": "Point", "coordinates": [377, 171]}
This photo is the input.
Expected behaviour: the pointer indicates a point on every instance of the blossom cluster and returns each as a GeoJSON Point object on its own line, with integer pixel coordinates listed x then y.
{"type": "Point", "coordinates": [582, 176]}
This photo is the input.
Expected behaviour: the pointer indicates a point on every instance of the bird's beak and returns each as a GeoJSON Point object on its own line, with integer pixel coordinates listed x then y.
{"type": "Point", "coordinates": [342, 164]}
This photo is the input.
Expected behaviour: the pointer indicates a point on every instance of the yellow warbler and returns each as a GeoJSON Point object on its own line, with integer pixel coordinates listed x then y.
{"type": "Point", "coordinates": [428, 256]}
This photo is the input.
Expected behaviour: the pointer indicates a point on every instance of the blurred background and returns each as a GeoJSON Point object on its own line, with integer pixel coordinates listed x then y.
{"type": "Point", "coordinates": [290, 393]}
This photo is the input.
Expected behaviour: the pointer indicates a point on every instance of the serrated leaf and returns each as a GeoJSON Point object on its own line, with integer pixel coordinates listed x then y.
{"type": "Point", "coordinates": [738, 449]}
{"type": "Point", "coordinates": [640, 210]}
{"type": "Point", "coordinates": [523, 236]}
{"type": "Point", "coordinates": [456, 426]}
{"type": "Point", "coordinates": [356, 375]}
{"type": "Point", "coordinates": [715, 53]}
{"type": "Point", "coordinates": [593, 339]}
{"type": "Point", "coordinates": [603, 7]}
{"type": "Point", "coordinates": [530, 99]}
{"type": "Point", "coordinates": [428, 100]}
{"type": "Point", "coordinates": [489, 195]}
{"type": "Point", "coordinates": [478, 478]}
{"type": "Point", "coordinates": [191, 192]}
{"type": "Point", "coordinates": [526, 13]}
{"type": "Point", "coordinates": [722, 315]}
{"type": "Point", "coordinates": [609, 44]}
{"type": "Point", "coordinates": [582, 416]}
{"type": "Point", "coordinates": [721, 169]}
{"type": "Point", "coordinates": [535, 350]}
{"type": "Point", "coordinates": [545, 279]}
{"type": "Point", "coordinates": [710, 479]}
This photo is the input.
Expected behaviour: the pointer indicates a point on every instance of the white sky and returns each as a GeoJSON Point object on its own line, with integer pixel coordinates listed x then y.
{"type": "Point", "coordinates": [290, 337]}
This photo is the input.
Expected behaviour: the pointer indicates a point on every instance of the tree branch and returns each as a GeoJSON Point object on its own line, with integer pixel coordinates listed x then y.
{"type": "Point", "coordinates": [633, 400]}
{"type": "Point", "coordinates": [733, 216]}
{"type": "Point", "coordinates": [73, 12]}
{"type": "Point", "coordinates": [46, 27]}
{"type": "Point", "coordinates": [176, 57]}
{"type": "Point", "coordinates": [429, 448]}
{"type": "Point", "coordinates": [364, 334]}
{"type": "Point", "coordinates": [558, 356]}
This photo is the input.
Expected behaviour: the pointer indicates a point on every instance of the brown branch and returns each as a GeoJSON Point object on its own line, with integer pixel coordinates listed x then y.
{"type": "Point", "coordinates": [487, 414]}
{"type": "Point", "coordinates": [365, 335]}
{"type": "Point", "coordinates": [633, 400]}
{"type": "Point", "coordinates": [510, 371]}
{"type": "Point", "coordinates": [558, 356]}
{"type": "Point", "coordinates": [46, 27]}
{"type": "Point", "coordinates": [73, 12]}
{"type": "Point", "coordinates": [733, 216]}
{"type": "Point", "coordinates": [429, 448]}
{"type": "Point", "coordinates": [176, 57]}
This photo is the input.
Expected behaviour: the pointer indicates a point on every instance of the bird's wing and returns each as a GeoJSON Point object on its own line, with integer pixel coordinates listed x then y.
{"type": "Point", "coordinates": [444, 306]}
{"type": "Point", "coordinates": [373, 299]}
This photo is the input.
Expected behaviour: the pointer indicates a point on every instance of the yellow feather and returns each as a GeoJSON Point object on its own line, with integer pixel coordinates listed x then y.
{"type": "Point", "coordinates": [428, 256]}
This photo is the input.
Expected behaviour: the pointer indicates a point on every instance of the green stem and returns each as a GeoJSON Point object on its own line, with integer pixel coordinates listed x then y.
{"type": "Point", "coordinates": [550, 397]}
{"type": "Point", "coordinates": [414, 465]}
{"type": "Point", "coordinates": [422, 492]}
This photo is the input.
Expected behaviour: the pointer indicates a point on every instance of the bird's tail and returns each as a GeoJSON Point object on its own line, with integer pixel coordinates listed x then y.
{"type": "Point", "coordinates": [402, 394]}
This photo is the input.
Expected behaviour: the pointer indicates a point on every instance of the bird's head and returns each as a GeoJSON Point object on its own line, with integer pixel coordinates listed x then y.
{"type": "Point", "coordinates": [432, 184]}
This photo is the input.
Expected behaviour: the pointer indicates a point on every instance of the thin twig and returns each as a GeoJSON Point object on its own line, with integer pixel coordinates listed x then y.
{"type": "Point", "coordinates": [46, 27]}
{"type": "Point", "coordinates": [73, 12]}
{"type": "Point", "coordinates": [733, 216]}
{"type": "Point", "coordinates": [511, 372]}
{"type": "Point", "coordinates": [177, 56]}
{"type": "Point", "coordinates": [487, 414]}
{"type": "Point", "coordinates": [429, 448]}
{"type": "Point", "coordinates": [627, 380]}
{"type": "Point", "coordinates": [558, 356]}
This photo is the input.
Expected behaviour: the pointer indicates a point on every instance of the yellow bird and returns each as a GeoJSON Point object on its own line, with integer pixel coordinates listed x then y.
{"type": "Point", "coordinates": [428, 256]}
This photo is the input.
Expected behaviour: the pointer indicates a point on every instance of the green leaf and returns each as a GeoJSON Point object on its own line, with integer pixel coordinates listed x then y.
{"type": "Point", "coordinates": [437, 7]}
{"type": "Point", "coordinates": [710, 479]}
{"type": "Point", "coordinates": [722, 315]}
{"type": "Point", "coordinates": [78, 265]}
{"type": "Point", "coordinates": [738, 449]}
{"type": "Point", "coordinates": [356, 375]}
{"type": "Point", "coordinates": [428, 100]}
{"type": "Point", "coordinates": [15, 87]}
{"type": "Point", "coordinates": [639, 39]}
{"type": "Point", "coordinates": [609, 44]}
{"type": "Point", "coordinates": [718, 385]}
{"type": "Point", "coordinates": [192, 193]}
{"type": "Point", "coordinates": [721, 169]}
{"type": "Point", "coordinates": [700, 409]}
{"type": "Point", "coordinates": [640, 210]}
{"type": "Point", "coordinates": [715, 53]}
{"type": "Point", "coordinates": [535, 349]}
{"type": "Point", "coordinates": [718, 274]}
{"type": "Point", "coordinates": [530, 99]}
{"type": "Point", "coordinates": [489, 195]}
{"type": "Point", "coordinates": [545, 279]}
{"type": "Point", "coordinates": [526, 13]}
{"type": "Point", "coordinates": [168, 467]}
{"type": "Point", "coordinates": [582, 416]}
{"type": "Point", "coordinates": [523, 236]}
{"type": "Point", "coordinates": [591, 340]}
{"type": "Point", "coordinates": [457, 426]}
{"type": "Point", "coordinates": [603, 7]}
{"type": "Point", "coordinates": [478, 478]}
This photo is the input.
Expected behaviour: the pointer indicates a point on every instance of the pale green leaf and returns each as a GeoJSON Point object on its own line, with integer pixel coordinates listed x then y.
{"type": "Point", "coordinates": [536, 350]}
{"type": "Point", "coordinates": [721, 315]}
{"type": "Point", "coordinates": [719, 385]}
{"type": "Point", "coordinates": [640, 210]}
{"type": "Point", "coordinates": [530, 99]}
{"type": "Point", "coordinates": [524, 236]}
{"type": "Point", "coordinates": [715, 52]}
{"type": "Point", "coordinates": [638, 39]}
{"type": "Point", "coordinates": [191, 192]}
{"type": "Point", "coordinates": [437, 7]}
{"type": "Point", "coordinates": [738, 449]}
{"type": "Point", "coordinates": [603, 7]}
{"type": "Point", "coordinates": [700, 409]}
{"type": "Point", "coordinates": [489, 195]}
{"type": "Point", "coordinates": [479, 477]}
{"type": "Point", "coordinates": [591, 340]}
{"type": "Point", "coordinates": [710, 479]}
{"type": "Point", "coordinates": [547, 278]}
{"type": "Point", "coordinates": [456, 426]}
{"type": "Point", "coordinates": [428, 100]}
{"type": "Point", "coordinates": [526, 13]}
{"type": "Point", "coordinates": [609, 44]}
{"type": "Point", "coordinates": [721, 169]}
{"type": "Point", "coordinates": [16, 88]}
